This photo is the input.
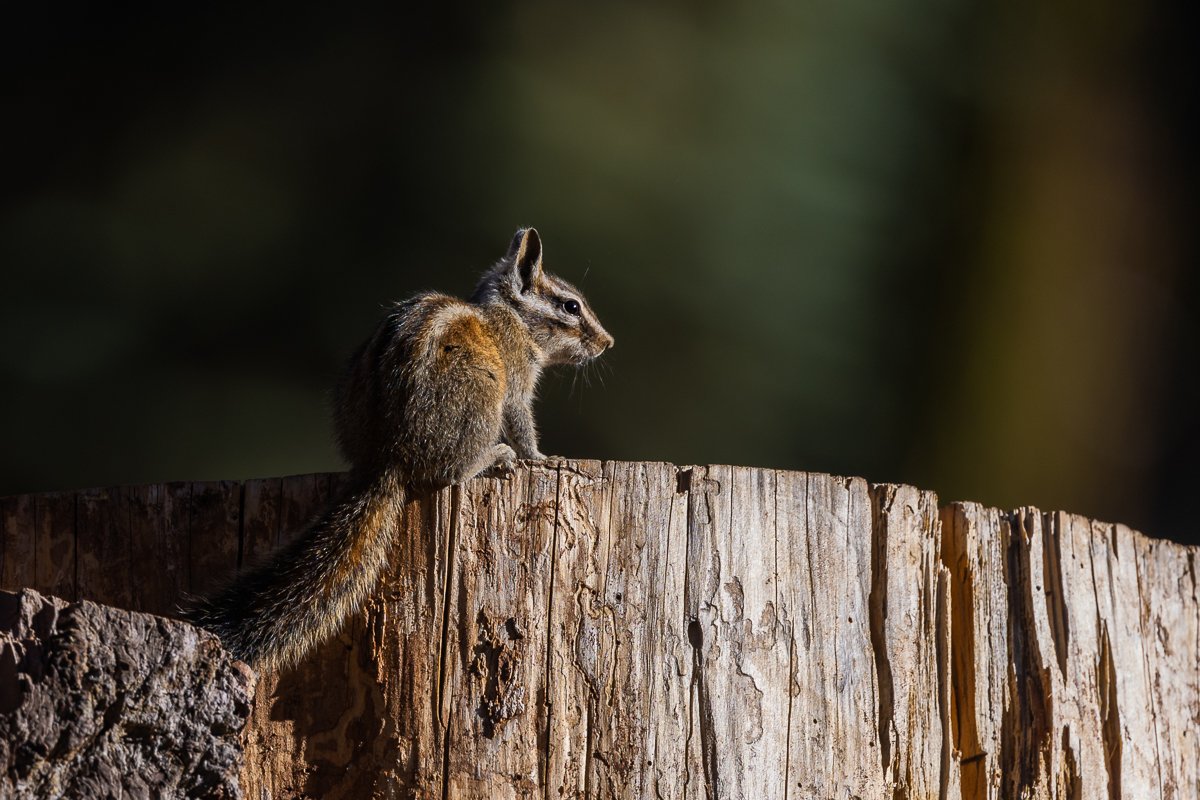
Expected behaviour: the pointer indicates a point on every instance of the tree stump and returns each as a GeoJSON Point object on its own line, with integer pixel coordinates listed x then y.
{"type": "Point", "coordinates": [590, 629]}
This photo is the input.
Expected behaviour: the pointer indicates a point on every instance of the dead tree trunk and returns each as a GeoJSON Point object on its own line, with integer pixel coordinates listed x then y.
{"type": "Point", "coordinates": [641, 630]}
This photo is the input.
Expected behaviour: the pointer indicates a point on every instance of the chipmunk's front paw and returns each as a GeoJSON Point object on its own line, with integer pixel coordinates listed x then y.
{"type": "Point", "coordinates": [544, 460]}
{"type": "Point", "coordinates": [502, 463]}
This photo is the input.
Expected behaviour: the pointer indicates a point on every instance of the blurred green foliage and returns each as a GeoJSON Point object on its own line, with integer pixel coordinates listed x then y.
{"type": "Point", "coordinates": [934, 242]}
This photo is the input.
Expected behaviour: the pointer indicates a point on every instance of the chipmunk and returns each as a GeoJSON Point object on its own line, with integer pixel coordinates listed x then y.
{"type": "Point", "coordinates": [442, 391]}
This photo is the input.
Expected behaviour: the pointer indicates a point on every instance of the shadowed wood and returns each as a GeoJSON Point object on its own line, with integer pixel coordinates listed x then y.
{"type": "Point", "coordinates": [591, 629]}
{"type": "Point", "coordinates": [19, 567]}
{"type": "Point", "coordinates": [55, 518]}
{"type": "Point", "coordinates": [158, 518]}
{"type": "Point", "coordinates": [104, 551]}
{"type": "Point", "coordinates": [214, 530]}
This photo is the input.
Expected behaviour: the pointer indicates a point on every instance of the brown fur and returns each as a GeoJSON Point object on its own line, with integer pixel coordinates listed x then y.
{"type": "Point", "coordinates": [441, 391]}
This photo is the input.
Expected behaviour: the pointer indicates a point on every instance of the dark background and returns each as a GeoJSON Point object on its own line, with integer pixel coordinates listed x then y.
{"type": "Point", "coordinates": [943, 243]}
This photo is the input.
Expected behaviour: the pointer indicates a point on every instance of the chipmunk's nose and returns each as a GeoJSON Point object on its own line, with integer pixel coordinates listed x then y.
{"type": "Point", "coordinates": [599, 342]}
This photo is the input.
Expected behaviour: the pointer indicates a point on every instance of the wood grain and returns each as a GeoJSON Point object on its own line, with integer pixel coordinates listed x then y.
{"type": "Point", "coordinates": [587, 629]}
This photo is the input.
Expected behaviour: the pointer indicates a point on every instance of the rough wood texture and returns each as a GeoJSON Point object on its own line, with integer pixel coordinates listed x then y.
{"type": "Point", "coordinates": [642, 630]}
{"type": "Point", "coordinates": [100, 702]}
{"type": "Point", "coordinates": [1077, 657]}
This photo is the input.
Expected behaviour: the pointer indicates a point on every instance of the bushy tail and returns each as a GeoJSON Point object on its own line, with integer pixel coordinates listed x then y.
{"type": "Point", "coordinates": [273, 613]}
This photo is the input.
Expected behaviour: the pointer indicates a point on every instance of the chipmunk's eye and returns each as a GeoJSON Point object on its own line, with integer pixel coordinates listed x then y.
{"type": "Point", "coordinates": [571, 307]}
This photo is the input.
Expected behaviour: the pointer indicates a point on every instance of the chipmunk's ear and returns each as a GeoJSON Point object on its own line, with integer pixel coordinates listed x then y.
{"type": "Point", "coordinates": [526, 254]}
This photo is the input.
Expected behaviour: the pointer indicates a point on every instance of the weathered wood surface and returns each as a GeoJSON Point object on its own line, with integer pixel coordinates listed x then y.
{"type": "Point", "coordinates": [643, 630]}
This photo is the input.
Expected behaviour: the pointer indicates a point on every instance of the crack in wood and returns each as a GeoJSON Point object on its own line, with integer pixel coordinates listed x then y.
{"type": "Point", "coordinates": [878, 612]}
{"type": "Point", "coordinates": [708, 744]}
{"type": "Point", "coordinates": [956, 557]}
{"type": "Point", "coordinates": [1025, 729]}
{"type": "Point", "coordinates": [942, 632]}
{"type": "Point", "coordinates": [1052, 580]}
{"type": "Point", "coordinates": [439, 708]}
{"type": "Point", "coordinates": [1110, 714]}
{"type": "Point", "coordinates": [548, 705]}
